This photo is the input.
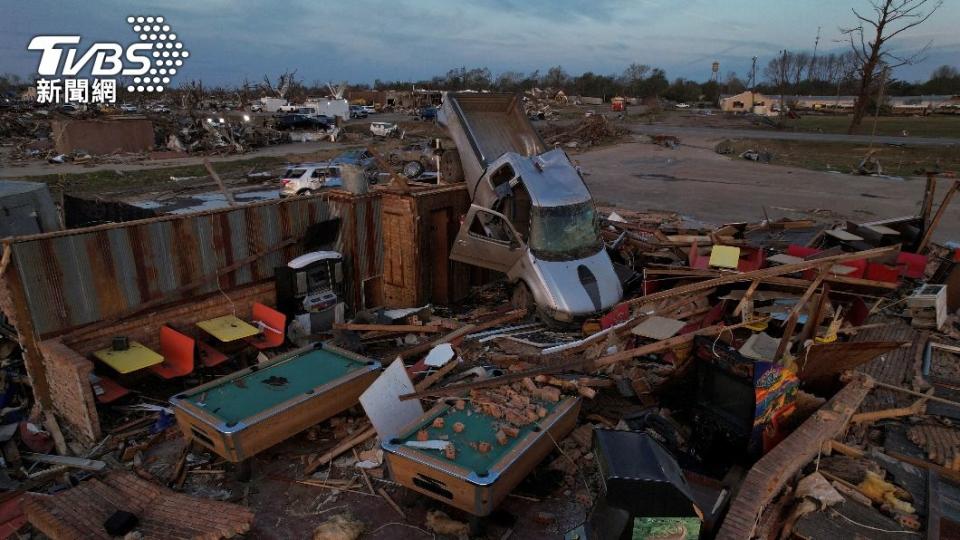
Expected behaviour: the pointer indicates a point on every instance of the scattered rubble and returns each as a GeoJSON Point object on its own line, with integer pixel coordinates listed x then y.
{"type": "Point", "coordinates": [591, 131]}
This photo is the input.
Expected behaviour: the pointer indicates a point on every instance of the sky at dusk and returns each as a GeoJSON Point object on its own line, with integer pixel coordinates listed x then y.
{"type": "Point", "coordinates": [362, 40]}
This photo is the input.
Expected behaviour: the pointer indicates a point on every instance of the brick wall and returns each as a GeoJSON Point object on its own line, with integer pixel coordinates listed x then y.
{"type": "Point", "coordinates": [81, 511]}
{"type": "Point", "coordinates": [67, 360]}
{"type": "Point", "coordinates": [182, 315]}
{"type": "Point", "coordinates": [68, 374]}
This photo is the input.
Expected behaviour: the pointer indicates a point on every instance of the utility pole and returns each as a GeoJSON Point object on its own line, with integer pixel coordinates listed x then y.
{"type": "Point", "coordinates": [783, 80]}
{"type": "Point", "coordinates": [753, 74]}
{"type": "Point", "coordinates": [813, 59]}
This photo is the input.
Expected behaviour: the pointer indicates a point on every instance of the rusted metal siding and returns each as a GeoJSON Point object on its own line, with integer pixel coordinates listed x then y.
{"type": "Point", "coordinates": [80, 276]}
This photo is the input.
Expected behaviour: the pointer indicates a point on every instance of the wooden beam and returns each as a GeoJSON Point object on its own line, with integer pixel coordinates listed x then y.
{"type": "Point", "coordinates": [216, 178]}
{"type": "Point", "coordinates": [457, 334]}
{"type": "Point", "coordinates": [776, 280]}
{"type": "Point", "coordinates": [795, 315]}
{"type": "Point", "coordinates": [927, 206]}
{"type": "Point", "coordinates": [341, 448]}
{"type": "Point", "coordinates": [935, 222]}
{"type": "Point", "coordinates": [393, 328]}
{"type": "Point", "coordinates": [68, 461]}
{"type": "Point", "coordinates": [575, 363]}
{"type": "Point", "coordinates": [816, 317]}
{"type": "Point", "coordinates": [747, 296]}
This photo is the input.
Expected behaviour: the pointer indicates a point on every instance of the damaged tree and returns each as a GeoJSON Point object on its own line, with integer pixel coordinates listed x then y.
{"type": "Point", "coordinates": [892, 17]}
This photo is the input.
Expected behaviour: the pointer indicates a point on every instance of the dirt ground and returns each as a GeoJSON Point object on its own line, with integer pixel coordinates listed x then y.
{"type": "Point", "coordinates": [697, 182]}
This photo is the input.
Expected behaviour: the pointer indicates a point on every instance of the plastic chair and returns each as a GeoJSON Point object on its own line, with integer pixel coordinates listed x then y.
{"type": "Point", "coordinates": [912, 264]}
{"type": "Point", "coordinates": [882, 272]}
{"type": "Point", "coordinates": [272, 324]}
{"type": "Point", "coordinates": [695, 260]}
{"type": "Point", "coordinates": [209, 356]}
{"type": "Point", "coordinates": [753, 261]}
{"type": "Point", "coordinates": [178, 354]}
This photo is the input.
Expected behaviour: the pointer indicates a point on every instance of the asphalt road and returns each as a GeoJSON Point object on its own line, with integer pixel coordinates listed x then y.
{"type": "Point", "coordinates": [735, 133]}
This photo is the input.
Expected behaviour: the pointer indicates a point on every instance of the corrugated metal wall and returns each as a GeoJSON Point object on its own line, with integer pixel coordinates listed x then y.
{"type": "Point", "coordinates": [82, 276]}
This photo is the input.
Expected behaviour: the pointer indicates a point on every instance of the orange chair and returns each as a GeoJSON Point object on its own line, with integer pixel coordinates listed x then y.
{"type": "Point", "coordinates": [209, 356]}
{"type": "Point", "coordinates": [272, 324]}
{"type": "Point", "coordinates": [178, 354]}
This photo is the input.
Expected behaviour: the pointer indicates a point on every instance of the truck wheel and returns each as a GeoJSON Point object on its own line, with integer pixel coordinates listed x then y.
{"type": "Point", "coordinates": [305, 192]}
{"type": "Point", "coordinates": [412, 169]}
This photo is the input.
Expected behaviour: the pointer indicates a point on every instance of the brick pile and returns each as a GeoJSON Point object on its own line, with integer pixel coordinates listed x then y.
{"type": "Point", "coordinates": [80, 512]}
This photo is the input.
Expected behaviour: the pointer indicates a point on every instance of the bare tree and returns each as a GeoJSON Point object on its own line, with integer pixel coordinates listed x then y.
{"type": "Point", "coordinates": [284, 81]}
{"type": "Point", "coordinates": [890, 19]}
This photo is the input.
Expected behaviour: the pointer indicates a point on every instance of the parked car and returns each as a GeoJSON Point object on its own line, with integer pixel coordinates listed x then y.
{"type": "Point", "coordinates": [356, 111]}
{"type": "Point", "coordinates": [160, 108]}
{"type": "Point", "coordinates": [69, 108]}
{"type": "Point", "coordinates": [369, 108]}
{"type": "Point", "coordinates": [415, 158]}
{"type": "Point", "coordinates": [384, 129]}
{"type": "Point", "coordinates": [427, 113]}
{"type": "Point", "coordinates": [360, 158]}
{"type": "Point", "coordinates": [128, 108]}
{"type": "Point", "coordinates": [308, 178]}
{"type": "Point", "coordinates": [682, 105]}
{"type": "Point", "coordinates": [302, 121]}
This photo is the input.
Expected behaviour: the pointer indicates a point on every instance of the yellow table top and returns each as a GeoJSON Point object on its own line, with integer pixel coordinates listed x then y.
{"type": "Point", "coordinates": [228, 328]}
{"type": "Point", "coordinates": [138, 356]}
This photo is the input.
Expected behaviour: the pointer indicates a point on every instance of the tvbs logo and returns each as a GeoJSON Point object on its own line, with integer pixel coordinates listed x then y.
{"type": "Point", "coordinates": [150, 63]}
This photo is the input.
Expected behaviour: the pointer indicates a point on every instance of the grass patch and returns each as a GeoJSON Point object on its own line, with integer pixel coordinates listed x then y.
{"type": "Point", "coordinates": [915, 126]}
{"type": "Point", "coordinates": [844, 157]}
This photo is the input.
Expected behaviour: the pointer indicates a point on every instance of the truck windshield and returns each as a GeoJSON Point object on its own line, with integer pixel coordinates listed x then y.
{"type": "Point", "coordinates": [564, 232]}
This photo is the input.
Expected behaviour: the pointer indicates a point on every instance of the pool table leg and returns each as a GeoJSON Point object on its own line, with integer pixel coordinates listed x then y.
{"type": "Point", "coordinates": [477, 525]}
{"type": "Point", "coordinates": [244, 470]}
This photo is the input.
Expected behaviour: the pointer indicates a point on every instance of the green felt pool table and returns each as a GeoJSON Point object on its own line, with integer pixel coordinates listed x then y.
{"type": "Point", "coordinates": [475, 481]}
{"type": "Point", "coordinates": [250, 410]}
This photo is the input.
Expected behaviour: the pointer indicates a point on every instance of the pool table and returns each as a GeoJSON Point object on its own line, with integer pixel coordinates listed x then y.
{"type": "Point", "coordinates": [250, 410]}
{"type": "Point", "coordinates": [475, 481]}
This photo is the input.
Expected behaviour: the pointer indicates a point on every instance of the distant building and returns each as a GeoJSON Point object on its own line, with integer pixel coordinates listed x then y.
{"type": "Point", "coordinates": [749, 101]}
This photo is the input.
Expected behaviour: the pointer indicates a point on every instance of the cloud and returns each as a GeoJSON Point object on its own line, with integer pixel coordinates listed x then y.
{"type": "Point", "coordinates": [413, 39]}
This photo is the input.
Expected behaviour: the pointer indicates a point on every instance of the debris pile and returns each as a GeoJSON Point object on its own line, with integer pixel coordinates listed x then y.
{"type": "Point", "coordinates": [591, 131]}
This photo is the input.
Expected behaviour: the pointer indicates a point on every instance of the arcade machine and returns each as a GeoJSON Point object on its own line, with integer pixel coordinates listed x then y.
{"type": "Point", "coordinates": [310, 291]}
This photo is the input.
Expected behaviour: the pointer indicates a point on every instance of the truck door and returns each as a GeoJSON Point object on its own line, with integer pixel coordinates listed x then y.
{"type": "Point", "coordinates": [488, 240]}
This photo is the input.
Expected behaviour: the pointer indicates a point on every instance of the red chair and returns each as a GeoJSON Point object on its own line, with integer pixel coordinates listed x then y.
{"type": "Point", "coordinates": [209, 356]}
{"type": "Point", "coordinates": [912, 264]}
{"type": "Point", "coordinates": [112, 390]}
{"type": "Point", "coordinates": [272, 324]}
{"type": "Point", "coordinates": [753, 261]}
{"type": "Point", "coordinates": [178, 354]}
{"type": "Point", "coordinates": [882, 272]}
{"type": "Point", "coordinates": [801, 251]}
{"type": "Point", "coordinates": [859, 264]}
{"type": "Point", "coordinates": [696, 260]}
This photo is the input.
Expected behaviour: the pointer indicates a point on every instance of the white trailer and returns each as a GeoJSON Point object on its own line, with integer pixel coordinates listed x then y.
{"type": "Point", "coordinates": [330, 107]}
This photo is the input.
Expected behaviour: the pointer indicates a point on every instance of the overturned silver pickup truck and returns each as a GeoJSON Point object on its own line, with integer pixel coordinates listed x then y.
{"type": "Point", "coordinates": [531, 216]}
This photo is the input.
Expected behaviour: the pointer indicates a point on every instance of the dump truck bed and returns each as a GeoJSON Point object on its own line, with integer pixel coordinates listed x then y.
{"type": "Point", "coordinates": [486, 126]}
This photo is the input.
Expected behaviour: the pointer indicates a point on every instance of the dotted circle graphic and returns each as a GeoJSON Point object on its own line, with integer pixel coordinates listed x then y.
{"type": "Point", "coordinates": [167, 52]}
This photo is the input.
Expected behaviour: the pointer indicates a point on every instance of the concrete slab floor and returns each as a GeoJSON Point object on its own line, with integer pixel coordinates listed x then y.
{"type": "Point", "coordinates": [697, 182]}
